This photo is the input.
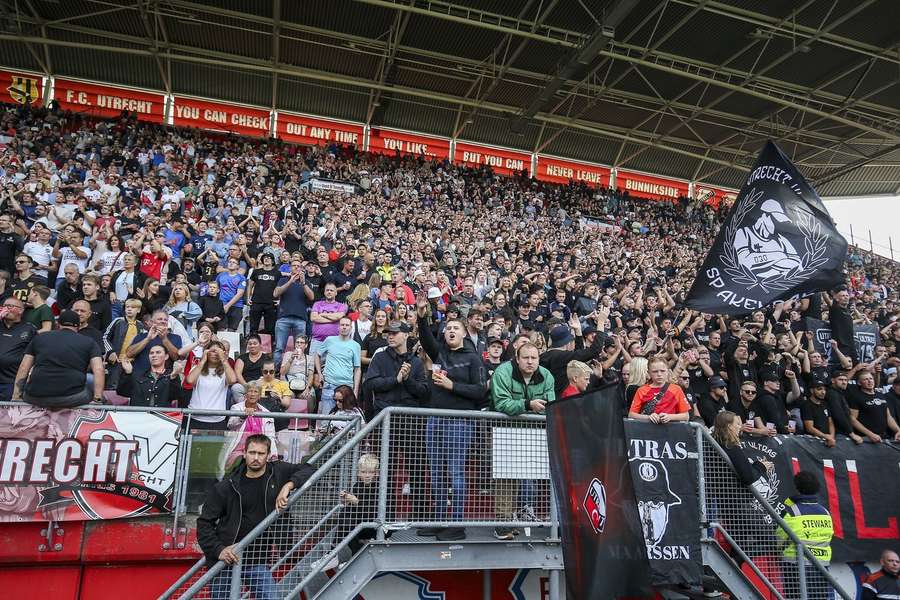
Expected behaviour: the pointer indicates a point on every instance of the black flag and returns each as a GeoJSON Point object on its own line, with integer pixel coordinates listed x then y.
{"type": "Point", "coordinates": [777, 242]}
{"type": "Point", "coordinates": [603, 547]}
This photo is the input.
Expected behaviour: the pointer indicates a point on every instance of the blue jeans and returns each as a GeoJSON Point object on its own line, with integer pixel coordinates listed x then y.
{"type": "Point", "coordinates": [326, 404]}
{"type": "Point", "coordinates": [286, 327]}
{"type": "Point", "coordinates": [447, 443]}
{"type": "Point", "coordinates": [257, 578]}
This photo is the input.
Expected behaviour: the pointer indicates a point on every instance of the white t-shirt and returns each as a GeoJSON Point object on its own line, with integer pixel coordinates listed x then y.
{"type": "Point", "coordinates": [124, 286]}
{"type": "Point", "coordinates": [41, 254]}
{"type": "Point", "coordinates": [67, 256]}
{"type": "Point", "coordinates": [112, 261]}
{"type": "Point", "coordinates": [210, 392]}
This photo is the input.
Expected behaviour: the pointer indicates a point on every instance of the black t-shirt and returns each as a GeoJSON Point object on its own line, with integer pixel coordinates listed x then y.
{"type": "Point", "coordinates": [872, 410]}
{"type": "Point", "coordinates": [746, 413]}
{"type": "Point", "coordinates": [21, 287]}
{"type": "Point", "coordinates": [10, 245]}
{"type": "Point", "coordinates": [264, 282]}
{"type": "Point", "coordinates": [61, 361]}
{"type": "Point", "coordinates": [13, 342]}
{"type": "Point", "coordinates": [771, 410]}
{"type": "Point", "coordinates": [817, 413]}
{"type": "Point", "coordinates": [253, 370]}
{"type": "Point", "coordinates": [253, 505]}
{"type": "Point", "coordinates": [339, 278]}
{"type": "Point", "coordinates": [839, 410]}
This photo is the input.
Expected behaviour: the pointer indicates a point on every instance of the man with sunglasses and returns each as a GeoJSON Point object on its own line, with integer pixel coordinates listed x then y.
{"type": "Point", "coordinates": [746, 407]}
{"type": "Point", "coordinates": [15, 335]}
{"type": "Point", "coordinates": [275, 394]}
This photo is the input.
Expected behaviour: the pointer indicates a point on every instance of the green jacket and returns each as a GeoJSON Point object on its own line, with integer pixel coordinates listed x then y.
{"type": "Point", "coordinates": [510, 394]}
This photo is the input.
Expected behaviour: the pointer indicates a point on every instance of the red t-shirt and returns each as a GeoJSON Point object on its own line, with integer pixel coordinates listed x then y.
{"type": "Point", "coordinates": [570, 390]}
{"type": "Point", "coordinates": [673, 401]}
{"type": "Point", "coordinates": [152, 265]}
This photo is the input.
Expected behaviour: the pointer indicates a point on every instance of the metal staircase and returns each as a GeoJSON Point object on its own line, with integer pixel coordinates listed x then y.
{"type": "Point", "coordinates": [328, 548]}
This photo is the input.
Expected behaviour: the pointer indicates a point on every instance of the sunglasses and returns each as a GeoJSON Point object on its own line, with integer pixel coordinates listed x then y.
{"type": "Point", "coordinates": [268, 370]}
{"type": "Point", "coordinates": [749, 392]}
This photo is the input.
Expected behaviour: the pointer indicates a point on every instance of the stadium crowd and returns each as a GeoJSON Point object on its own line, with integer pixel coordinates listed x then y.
{"type": "Point", "coordinates": [180, 267]}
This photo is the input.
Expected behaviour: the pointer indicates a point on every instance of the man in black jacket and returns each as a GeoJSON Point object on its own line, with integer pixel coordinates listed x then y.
{"type": "Point", "coordinates": [396, 377]}
{"type": "Point", "coordinates": [842, 324]}
{"type": "Point", "coordinates": [236, 505]}
{"type": "Point", "coordinates": [563, 348]}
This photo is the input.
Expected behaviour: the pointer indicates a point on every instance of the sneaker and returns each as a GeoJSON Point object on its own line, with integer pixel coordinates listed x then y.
{"type": "Point", "coordinates": [428, 531]}
{"type": "Point", "coordinates": [451, 534]}
{"type": "Point", "coordinates": [504, 533]}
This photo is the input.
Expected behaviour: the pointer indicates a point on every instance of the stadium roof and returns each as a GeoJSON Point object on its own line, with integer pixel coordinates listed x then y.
{"type": "Point", "coordinates": [685, 88]}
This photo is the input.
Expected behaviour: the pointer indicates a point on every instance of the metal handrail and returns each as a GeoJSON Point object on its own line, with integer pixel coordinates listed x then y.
{"type": "Point", "coordinates": [190, 411]}
{"type": "Point", "coordinates": [775, 517]}
{"type": "Point", "coordinates": [740, 551]}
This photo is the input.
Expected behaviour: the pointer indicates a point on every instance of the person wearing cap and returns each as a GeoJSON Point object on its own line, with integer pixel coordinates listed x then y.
{"type": "Point", "coordinates": [714, 402]}
{"type": "Point", "coordinates": [494, 356]}
{"type": "Point", "coordinates": [562, 351]}
{"type": "Point", "coordinates": [397, 377]}
{"type": "Point", "coordinates": [771, 407]}
{"type": "Point", "coordinates": [60, 360]}
{"type": "Point", "coordinates": [814, 412]}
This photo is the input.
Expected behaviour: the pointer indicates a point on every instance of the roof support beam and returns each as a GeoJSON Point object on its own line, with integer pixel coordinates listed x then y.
{"type": "Point", "coordinates": [398, 28]}
{"type": "Point", "coordinates": [153, 38]}
{"type": "Point", "coordinates": [276, 49]}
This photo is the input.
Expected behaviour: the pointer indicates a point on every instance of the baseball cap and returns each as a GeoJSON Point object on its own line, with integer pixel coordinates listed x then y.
{"type": "Point", "coordinates": [770, 375]}
{"type": "Point", "coordinates": [560, 336]}
{"type": "Point", "coordinates": [68, 318]}
{"type": "Point", "coordinates": [717, 382]}
{"type": "Point", "coordinates": [433, 293]}
{"type": "Point", "coordinates": [818, 383]}
{"type": "Point", "coordinates": [398, 327]}
{"type": "Point", "coordinates": [494, 340]}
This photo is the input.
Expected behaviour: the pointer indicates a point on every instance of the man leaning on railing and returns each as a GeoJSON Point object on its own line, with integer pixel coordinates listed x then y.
{"type": "Point", "coordinates": [235, 506]}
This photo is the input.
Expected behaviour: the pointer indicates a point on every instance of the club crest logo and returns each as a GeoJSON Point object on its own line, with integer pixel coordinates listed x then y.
{"type": "Point", "coordinates": [24, 90]}
{"type": "Point", "coordinates": [762, 252]}
{"type": "Point", "coordinates": [594, 505]}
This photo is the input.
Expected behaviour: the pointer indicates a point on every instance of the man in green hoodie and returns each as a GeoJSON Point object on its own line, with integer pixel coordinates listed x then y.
{"type": "Point", "coordinates": [519, 386]}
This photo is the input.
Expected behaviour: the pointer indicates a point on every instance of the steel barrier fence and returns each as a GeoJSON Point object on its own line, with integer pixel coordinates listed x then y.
{"type": "Point", "coordinates": [439, 469]}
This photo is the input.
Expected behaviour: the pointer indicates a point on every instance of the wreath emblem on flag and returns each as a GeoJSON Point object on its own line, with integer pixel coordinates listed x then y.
{"type": "Point", "coordinates": [756, 254]}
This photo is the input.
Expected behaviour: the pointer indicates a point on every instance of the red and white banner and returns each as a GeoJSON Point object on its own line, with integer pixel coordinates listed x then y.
{"type": "Point", "coordinates": [385, 141]}
{"type": "Point", "coordinates": [108, 101]}
{"type": "Point", "coordinates": [558, 170]}
{"type": "Point", "coordinates": [20, 88]}
{"type": "Point", "coordinates": [714, 196]}
{"type": "Point", "coordinates": [311, 131]}
{"type": "Point", "coordinates": [502, 162]}
{"type": "Point", "coordinates": [241, 120]}
{"type": "Point", "coordinates": [83, 464]}
{"type": "Point", "coordinates": [650, 186]}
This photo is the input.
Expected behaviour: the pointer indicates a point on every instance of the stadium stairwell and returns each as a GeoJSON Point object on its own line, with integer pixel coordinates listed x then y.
{"type": "Point", "coordinates": [312, 548]}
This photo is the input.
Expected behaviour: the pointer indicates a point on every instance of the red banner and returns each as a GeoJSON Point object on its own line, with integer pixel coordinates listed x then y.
{"type": "Point", "coordinates": [648, 186]}
{"type": "Point", "coordinates": [20, 88]}
{"type": "Point", "coordinates": [557, 170]}
{"type": "Point", "coordinates": [241, 120]}
{"type": "Point", "coordinates": [714, 196]}
{"type": "Point", "coordinates": [383, 141]}
{"type": "Point", "coordinates": [502, 162]}
{"type": "Point", "coordinates": [311, 131]}
{"type": "Point", "coordinates": [82, 464]}
{"type": "Point", "coordinates": [107, 101]}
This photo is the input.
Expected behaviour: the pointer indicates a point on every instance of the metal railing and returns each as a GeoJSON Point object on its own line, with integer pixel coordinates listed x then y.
{"type": "Point", "coordinates": [744, 522]}
{"type": "Point", "coordinates": [407, 469]}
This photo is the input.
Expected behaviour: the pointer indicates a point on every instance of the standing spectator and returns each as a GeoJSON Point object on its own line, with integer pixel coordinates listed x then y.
{"type": "Point", "coordinates": [884, 584]}
{"type": "Point", "coordinates": [101, 310]}
{"type": "Point", "coordinates": [814, 412]}
{"type": "Point", "coordinates": [157, 335]}
{"type": "Point", "coordinates": [211, 307]}
{"type": "Point", "coordinates": [15, 335]}
{"type": "Point", "coordinates": [25, 277]}
{"type": "Point", "coordinates": [39, 312]}
{"type": "Point", "coordinates": [11, 243]}
{"type": "Point", "coordinates": [158, 386]}
{"type": "Point", "coordinates": [293, 294]}
{"type": "Point", "coordinates": [124, 282]}
{"type": "Point", "coordinates": [73, 252]}
{"type": "Point", "coordinates": [68, 289]}
{"type": "Point", "coordinates": [119, 336]}
{"type": "Point", "coordinates": [83, 309]}
{"type": "Point", "coordinates": [658, 401]}
{"type": "Point", "coordinates": [261, 292]}
{"type": "Point", "coordinates": [232, 285]}
{"type": "Point", "coordinates": [342, 366]}
{"type": "Point", "coordinates": [842, 324]}
{"type": "Point", "coordinates": [578, 375]}
{"type": "Point", "coordinates": [397, 377]}
{"type": "Point", "coordinates": [727, 432]}
{"type": "Point", "coordinates": [41, 252]}
{"type": "Point", "coordinates": [210, 380]}
{"type": "Point", "coordinates": [715, 401]}
{"type": "Point", "coordinates": [326, 316]}
{"type": "Point", "coordinates": [518, 386]}
{"type": "Point", "coordinates": [457, 383]}
{"type": "Point", "coordinates": [563, 348]}
{"type": "Point", "coordinates": [836, 396]}
{"type": "Point", "coordinates": [60, 359]}
{"type": "Point", "coordinates": [236, 505]}
{"type": "Point", "coordinates": [869, 410]}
